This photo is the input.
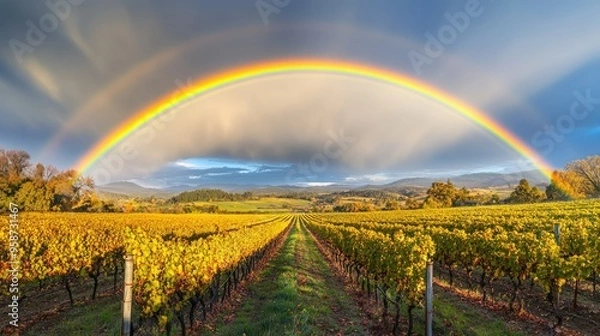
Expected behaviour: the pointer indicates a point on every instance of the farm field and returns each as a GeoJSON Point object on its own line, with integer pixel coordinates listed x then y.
{"type": "Point", "coordinates": [308, 274]}
{"type": "Point", "coordinates": [265, 204]}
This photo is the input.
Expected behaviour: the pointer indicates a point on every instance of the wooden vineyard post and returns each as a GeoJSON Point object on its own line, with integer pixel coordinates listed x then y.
{"type": "Point", "coordinates": [557, 237]}
{"type": "Point", "coordinates": [127, 297]}
{"type": "Point", "coordinates": [429, 299]}
{"type": "Point", "coordinates": [556, 298]}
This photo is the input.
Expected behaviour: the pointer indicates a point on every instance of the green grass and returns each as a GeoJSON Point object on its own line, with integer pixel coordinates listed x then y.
{"type": "Point", "coordinates": [466, 319]}
{"type": "Point", "coordinates": [451, 316]}
{"type": "Point", "coordinates": [101, 317]}
{"type": "Point", "coordinates": [296, 295]}
{"type": "Point", "coordinates": [266, 204]}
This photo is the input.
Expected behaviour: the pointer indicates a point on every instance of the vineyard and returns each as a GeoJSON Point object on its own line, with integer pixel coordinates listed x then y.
{"type": "Point", "coordinates": [178, 258]}
{"type": "Point", "coordinates": [506, 252]}
{"type": "Point", "coordinates": [541, 259]}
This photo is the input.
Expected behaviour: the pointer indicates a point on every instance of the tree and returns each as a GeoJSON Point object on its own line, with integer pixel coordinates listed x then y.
{"type": "Point", "coordinates": [32, 197]}
{"type": "Point", "coordinates": [349, 207]}
{"type": "Point", "coordinates": [18, 162]}
{"type": "Point", "coordinates": [38, 175]}
{"type": "Point", "coordinates": [524, 193]}
{"type": "Point", "coordinates": [13, 164]}
{"type": "Point", "coordinates": [209, 195]}
{"type": "Point", "coordinates": [461, 197]}
{"type": "Point", "coordinates": [391, 204]}
{"type": "Point", "coordinates": [589, 170]}
{"type": "Point", "coordinates": [444, 195]}
{"type": "Point", "coordinates": [68, 188]}
{"type": "Point", "coordinates": [440, 195]}
{"type": "Point", "coordinates": [92, 203]}
{"type": "Point", "coordinates": [39, 187]}
{"type": "Point", "coordinates": [566, 185]}
{"type": "Point", "coordinates": [494, 199]}
{"type": "Point", "coordinates": [4, 168]}
{"type": "Point", "coordinates": [412, 204]}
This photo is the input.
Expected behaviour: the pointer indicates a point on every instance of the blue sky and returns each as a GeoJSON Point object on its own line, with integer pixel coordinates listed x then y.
{"type": "Point", "coordinates": [72, 71]}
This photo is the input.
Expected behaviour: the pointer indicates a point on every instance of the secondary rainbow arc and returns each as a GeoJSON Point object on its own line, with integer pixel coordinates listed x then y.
{"type": "Point", "coordinates": [252, 71]}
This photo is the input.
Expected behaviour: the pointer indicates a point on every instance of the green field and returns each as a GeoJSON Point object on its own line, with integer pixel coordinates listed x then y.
{"type": "Point", "coordinates": [266, 204]}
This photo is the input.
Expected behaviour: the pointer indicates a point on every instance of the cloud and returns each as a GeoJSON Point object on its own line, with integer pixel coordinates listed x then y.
{"type": "Point", "coordinates": [183, 60]}
{"type": "Point", "coordinates": [204, 173]}
{"type": "Point", "coordinates": [371, 178]}
{"type": "Point", "coordinates": [316, 184]}
{"type": "Point", "coordinates": [523, 50]}
{"type": "Point", "coordinates": [43, 79]}
{"type": "Point", "coordinates": [108, 60]}
{"type": "Point", "coordinates": [40, 114]}
{"type": "Point", "coordinates": [296, 118]}
{"type": "Point", "coordinates": [176, 175]}
{"type": "Point", "coordinates": [74, 32]}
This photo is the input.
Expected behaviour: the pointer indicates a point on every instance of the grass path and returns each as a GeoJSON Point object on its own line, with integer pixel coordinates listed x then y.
{"type": "Point", "coordinates": [297, 294]}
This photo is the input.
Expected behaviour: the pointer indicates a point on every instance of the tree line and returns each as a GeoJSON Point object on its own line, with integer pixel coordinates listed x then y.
{"type": "Point", "coordinates": [210, 195]}
{"type": "Point", "coordinates": [38, 187]}
{"type": "Point", "coordinates": [43, 188]}
{"type": "Point", "coordinates": [580, 179]}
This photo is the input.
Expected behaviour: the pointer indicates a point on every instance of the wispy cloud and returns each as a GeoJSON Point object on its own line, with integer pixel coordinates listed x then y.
{"type": "Point", "coordinates": [522, 52]}
{"type": "Point", "coordinates": [43, 80]}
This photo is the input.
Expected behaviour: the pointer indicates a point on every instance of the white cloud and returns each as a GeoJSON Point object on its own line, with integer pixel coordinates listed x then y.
{"type": "Point", "coordinates": [372, 178]}
{"type": "Point", "coordinates": [316, 184]}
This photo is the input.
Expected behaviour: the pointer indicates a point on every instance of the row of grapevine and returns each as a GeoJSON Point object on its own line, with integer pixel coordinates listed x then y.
{"type": "Point", "coordinates": [516, 249]}
{"type": "Point", "coordinates": [497, 252]}
{"type": "Point", "coordinates": [63, 247]}
{"type": "Point", "coordinates": [396, 261]}
{"type": "Point", "coordinates": [520, 218]}
{"type": "Point", "coordinates": [173, 276]}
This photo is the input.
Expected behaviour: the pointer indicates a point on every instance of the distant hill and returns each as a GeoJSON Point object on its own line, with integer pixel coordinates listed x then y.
{"type": "Point", "coordinates": [130, 189]}
{"type": "Point", "coordinates": [408, 186]}
{"type": "Point", "coordinates": [477, 180]}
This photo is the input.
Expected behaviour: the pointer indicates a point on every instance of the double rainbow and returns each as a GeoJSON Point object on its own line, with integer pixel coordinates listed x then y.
{"type": "Point", "coordinates": [277, 67]}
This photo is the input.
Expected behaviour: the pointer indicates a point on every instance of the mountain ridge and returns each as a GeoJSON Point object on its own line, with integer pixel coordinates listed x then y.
{"type": "Point", "coordinates": [481, 180]}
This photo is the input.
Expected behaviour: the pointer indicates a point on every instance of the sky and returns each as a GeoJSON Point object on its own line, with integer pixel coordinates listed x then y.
{"type": "Point", "coordinates": [71, 71]}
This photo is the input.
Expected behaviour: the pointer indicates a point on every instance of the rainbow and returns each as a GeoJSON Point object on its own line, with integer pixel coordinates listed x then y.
{"type": "Point", "coordinates": [237, 75]}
